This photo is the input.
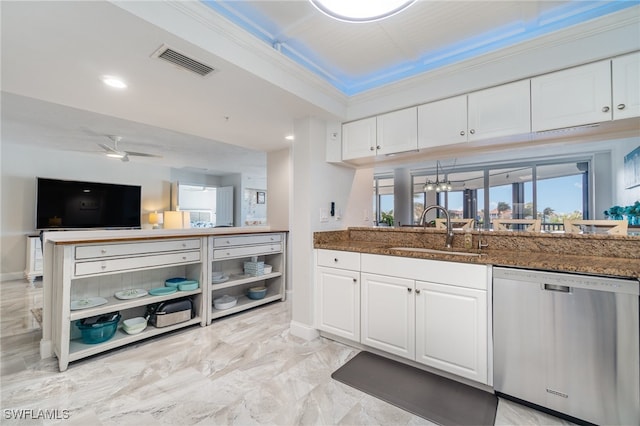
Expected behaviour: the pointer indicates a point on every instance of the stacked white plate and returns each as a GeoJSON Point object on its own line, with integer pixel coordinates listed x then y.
{"type": "Point", "coordinates": [225, 302]}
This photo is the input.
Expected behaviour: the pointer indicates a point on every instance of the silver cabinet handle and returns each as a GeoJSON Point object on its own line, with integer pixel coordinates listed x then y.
{"type": "Point", "coordinates": [355, 280]}
{"type": "Point", "coordinates": [605, 109]}
{"type": "Point", "coordinates": [378, 147]}
{"type": "Point", "coordinates": [409, 289]}
{"type": "Point", "coordinates": [461, 132]}
{"type": "Point", "coordinates": [335, 259]}
{"type": "Point", "coordinates": [472, 131]}
{"type": "Point", "coordinates": [103, 251]}
{"type": "Point", "coordinates": [184, 244]}
{"type": "Point", "coordinates": [621, 106]}
{"type": "Point", "coordinates": [417, 291]}
{"type": "Point", "coordinates": [371, 148]}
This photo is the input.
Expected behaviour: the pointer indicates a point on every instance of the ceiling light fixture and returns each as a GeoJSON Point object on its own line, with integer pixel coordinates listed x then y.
{"type": "Point", "coordinates": [114, 82]}
{"type": "Point", "coordinates": [361, 10]}
{"type": "Point", "coordinates": [289, 137]}
{"type": "Point", "coordinates": [114, 155]}
{"type": "Point", "coordinates": [437, 185]}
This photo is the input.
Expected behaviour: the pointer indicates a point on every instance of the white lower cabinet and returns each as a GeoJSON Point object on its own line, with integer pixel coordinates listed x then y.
{"type": "Point", "coordinates": [388, 314]}
{"type": "Point", "coordinates": [432, 312]}
{"type": "Point", "coordinates": [338, 293]}
{"type": "Point", "coordinates": [451, 329]}
{"type": "Point", "coordinates": [339, 302]}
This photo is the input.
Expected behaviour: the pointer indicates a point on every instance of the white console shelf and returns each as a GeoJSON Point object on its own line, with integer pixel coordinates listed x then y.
{"type": "Point", "coordinates": [227, 254]}
{"type": "Point", "coordinates": [81, 265]}
{"type": "Point", "coordinates": [83, 270]}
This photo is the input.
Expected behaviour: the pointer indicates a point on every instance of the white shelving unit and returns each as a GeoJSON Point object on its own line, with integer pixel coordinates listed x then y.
{"type": "Point", "coordinates": [228, 254]}
{"type": "Point", "coordinates": [34, 265]}
{"type": "Point", "coordinates": [83, 270]}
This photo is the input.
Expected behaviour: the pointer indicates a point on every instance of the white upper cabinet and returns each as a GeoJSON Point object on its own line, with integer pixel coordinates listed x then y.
{"type": "Point", "coordinates": [573, 97]}
{"type": "Point", "coordinates": [385, 134]}
{"type": "Point", "coordinates": [626, 86]}
{"type": "Point", "coordinates": [359, 139]}
{"type": "Point", "coordinates": [397, 131]}
{"type": "Point", "coordinates": [442, 122]}
{"type": "Point", "coordinates": [499, 111]}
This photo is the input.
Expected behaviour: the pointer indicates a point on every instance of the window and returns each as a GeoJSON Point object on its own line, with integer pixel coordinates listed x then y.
{"type": "Point", "coordinates": [383, 200]}
{"type": "Point", "coordinates": [546, 190]}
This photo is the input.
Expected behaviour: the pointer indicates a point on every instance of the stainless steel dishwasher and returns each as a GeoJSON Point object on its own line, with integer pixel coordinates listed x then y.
{"type": "Point", "coordinates": [568, 343]}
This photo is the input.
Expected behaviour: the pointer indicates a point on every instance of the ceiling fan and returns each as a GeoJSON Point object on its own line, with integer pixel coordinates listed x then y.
{"type": "Point", "coordinates": [115, 152]}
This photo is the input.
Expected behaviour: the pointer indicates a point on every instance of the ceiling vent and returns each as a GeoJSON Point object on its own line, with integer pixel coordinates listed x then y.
{"type": "Point", "coordinates": [168, 54]}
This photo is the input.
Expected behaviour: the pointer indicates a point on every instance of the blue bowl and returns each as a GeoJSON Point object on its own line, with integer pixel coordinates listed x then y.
{"type": "Point", "coordinates": [98, 332]}
{"type": "Point", "coordinates": [257, 293]}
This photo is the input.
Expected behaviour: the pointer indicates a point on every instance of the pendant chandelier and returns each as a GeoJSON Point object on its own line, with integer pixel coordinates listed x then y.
{"type": "Point", "coordinates": [437, 186]}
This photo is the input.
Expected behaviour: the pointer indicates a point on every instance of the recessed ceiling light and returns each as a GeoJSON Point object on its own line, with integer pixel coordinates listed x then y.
{"type": "Point", "coordinates": [289, 137]}
{"type": "Point", "coordinates": [114, 82]}
{"type": "Point", "coordinates": [361, 10]}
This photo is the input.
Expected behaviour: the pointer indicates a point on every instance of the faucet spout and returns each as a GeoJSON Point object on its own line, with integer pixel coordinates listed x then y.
{"type": "Point", "coordinates": [423, 220]}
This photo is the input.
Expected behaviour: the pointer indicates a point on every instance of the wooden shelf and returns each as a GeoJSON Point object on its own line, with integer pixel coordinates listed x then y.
{"type": "Point", "coordinates": [79, 350]}
{"type": "Point", "coordinates": [115, 304]}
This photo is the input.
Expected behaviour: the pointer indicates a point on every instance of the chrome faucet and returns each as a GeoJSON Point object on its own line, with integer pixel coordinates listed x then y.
{"type": "Point", "coordinates": [423, 220]}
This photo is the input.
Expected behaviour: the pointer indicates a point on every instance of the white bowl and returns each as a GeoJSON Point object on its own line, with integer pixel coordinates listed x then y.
{"type": "Point", "coordinates": [216, 275]}
{"type": "Point", "coordinates": [268, 269]}
{"type": "Point", "coordinates": [134, 325]}
{"type": "Point", "coordinates": [225, 302]}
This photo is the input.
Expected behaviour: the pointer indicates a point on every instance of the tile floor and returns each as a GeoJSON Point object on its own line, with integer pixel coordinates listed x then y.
{"type": "Point", "coordinates": [242, 370]}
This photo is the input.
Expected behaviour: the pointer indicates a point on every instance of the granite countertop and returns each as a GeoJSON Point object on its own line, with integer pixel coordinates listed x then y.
{"type": "Point", "coordinates": [575, 254]}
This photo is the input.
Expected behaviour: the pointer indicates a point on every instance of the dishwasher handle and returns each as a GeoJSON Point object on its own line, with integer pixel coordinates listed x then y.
{"type": "Point", "coordinates": [556, 288]}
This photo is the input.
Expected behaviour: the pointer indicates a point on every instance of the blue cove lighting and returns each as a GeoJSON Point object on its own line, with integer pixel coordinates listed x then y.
{"type": "Point", "coordinates": [248, 18]}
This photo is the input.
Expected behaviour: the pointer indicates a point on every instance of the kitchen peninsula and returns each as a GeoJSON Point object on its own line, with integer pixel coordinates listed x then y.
{"type": "Point", "coordinates": [514, 313]}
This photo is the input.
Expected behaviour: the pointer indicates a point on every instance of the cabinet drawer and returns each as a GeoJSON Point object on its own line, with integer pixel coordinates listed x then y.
{"type": "Point", "coordinates": [247, 251]}
{"type": "Point", "coordinates": [339, 259]}
{"type": "Point", "coordinates": [125, 249]}
{"type": "Point", "coordinates": [114, 265]}
{"type": "Point", "coordinates": [246, 240]}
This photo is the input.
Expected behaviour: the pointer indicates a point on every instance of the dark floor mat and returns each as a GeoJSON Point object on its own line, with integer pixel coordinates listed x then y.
{"type": "Point", "coordinates": [424, 394]}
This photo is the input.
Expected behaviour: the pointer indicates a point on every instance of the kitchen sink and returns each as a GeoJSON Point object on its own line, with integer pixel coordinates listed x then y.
{"type": "Point", "coordinates": [436, 251]}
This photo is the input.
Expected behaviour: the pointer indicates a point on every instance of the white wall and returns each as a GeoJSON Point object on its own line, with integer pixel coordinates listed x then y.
{"type": "Point", "coordinates": [315, 184]}
{"type": "Point", "coordinates": [622, 195]}
{"type": "Point", "coordinates": [22, 164]}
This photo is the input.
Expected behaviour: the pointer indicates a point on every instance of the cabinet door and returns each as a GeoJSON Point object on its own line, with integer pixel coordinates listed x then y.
{"type": "Point", "coordinates": [580, 95]}
{"type": "Point", "coordinates": [388, 320]}
{"type": "Point", "coordinates": [397, 131]}
{"type": "Point", "coordinates": [451, 329]}
{"type": "Point", "coordinates": [338, 305]}
{"type": "Point", "coordinates": [442, 122]}
{"type": "Point", "coordinates": [359, 139]}
{"type": "Point", "coordinates": [626, 86]}
{"type": "Point", "coordinates": [500, 111]}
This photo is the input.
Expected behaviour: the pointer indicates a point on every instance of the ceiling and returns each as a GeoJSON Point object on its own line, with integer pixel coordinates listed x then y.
{"type": "Point", "coordinates": [275, 61]}
{"type": "Point", "coordinates": [427, 35]}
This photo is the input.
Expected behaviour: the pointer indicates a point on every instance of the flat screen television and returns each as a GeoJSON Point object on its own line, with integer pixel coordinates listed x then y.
{"type": "Point", "coordinates": [67, 204]}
